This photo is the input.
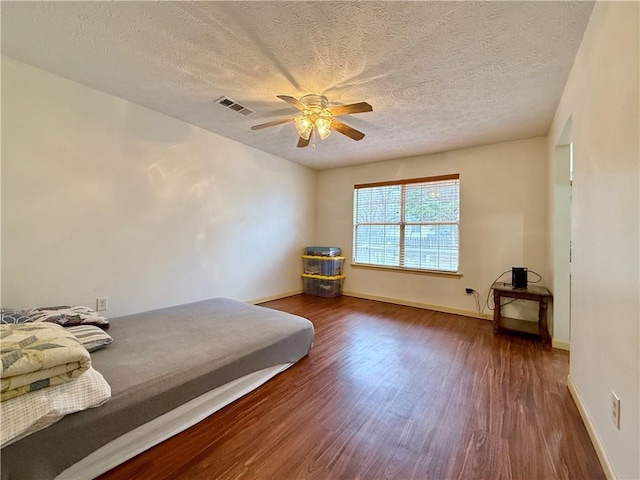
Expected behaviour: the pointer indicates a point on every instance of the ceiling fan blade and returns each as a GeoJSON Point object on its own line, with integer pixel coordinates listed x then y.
{"type": "Point", "coordinates": [302, 142]}
{"type": "Point", "coordinates": [345, 129]}
{"type": "Point", "coordinates": [272, 124]}
{"type": "Point", "coordinates": [351, 108]}
{"type": "Point", "coordinates": [293, 101]}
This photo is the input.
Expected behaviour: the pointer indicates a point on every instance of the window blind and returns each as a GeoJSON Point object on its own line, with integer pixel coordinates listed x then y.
{"type": "Point", "coordinates": [411, 224]}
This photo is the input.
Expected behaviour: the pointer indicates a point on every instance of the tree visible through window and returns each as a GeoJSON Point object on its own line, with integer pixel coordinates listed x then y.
{"type": "Point", "coordinates": [411, 224]}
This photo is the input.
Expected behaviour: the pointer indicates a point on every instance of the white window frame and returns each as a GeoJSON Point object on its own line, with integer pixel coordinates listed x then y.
{"type": "Point", "coordinates": [402, 223]}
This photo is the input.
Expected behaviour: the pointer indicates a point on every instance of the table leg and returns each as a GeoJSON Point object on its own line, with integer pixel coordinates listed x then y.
{"type": "Point", "coordinates": [496, 310]}
{"type": "Point", "coordinates": [542, 317]}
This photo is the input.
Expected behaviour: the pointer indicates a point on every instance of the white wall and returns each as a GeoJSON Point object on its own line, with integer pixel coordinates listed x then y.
{"type": "Point", "coordinates": [503, 220]}
{"type": "Point", "coordinates": [101, 197]}
{"type": "Point", "coordinates": [601, 98]}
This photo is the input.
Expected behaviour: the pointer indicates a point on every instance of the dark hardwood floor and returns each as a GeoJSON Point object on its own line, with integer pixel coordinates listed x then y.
{"type": "Point", "coordinates": [391, 392]}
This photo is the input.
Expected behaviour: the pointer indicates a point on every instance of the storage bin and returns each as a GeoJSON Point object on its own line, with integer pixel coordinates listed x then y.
{"type": "Point", "coordinates": [323, 251]}
{"type": "Point", "coordinates": [321, 286]}
{"type": "Point", "coordinates": [325, 266]}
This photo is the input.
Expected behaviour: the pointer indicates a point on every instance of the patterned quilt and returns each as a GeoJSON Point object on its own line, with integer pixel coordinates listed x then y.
{"type": "Point", "coordinates": [38, 355]}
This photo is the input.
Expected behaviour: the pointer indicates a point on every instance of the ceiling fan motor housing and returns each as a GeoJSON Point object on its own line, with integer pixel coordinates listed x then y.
{"type": "Point", "coordinates": [315, 102]}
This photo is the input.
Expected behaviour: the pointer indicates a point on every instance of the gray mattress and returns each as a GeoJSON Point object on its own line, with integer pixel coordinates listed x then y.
{"type": "Point", "coordinates": [158, 361]}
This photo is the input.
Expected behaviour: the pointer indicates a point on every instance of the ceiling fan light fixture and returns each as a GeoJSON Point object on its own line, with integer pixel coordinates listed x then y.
{"type": "Point", "coordinates": [323, 125]}
{"type": "Point", "coordinates": [304, 125]}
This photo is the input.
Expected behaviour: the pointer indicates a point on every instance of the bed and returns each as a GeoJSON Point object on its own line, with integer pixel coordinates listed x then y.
{"type": "Point", "coordinates": [168, 369]}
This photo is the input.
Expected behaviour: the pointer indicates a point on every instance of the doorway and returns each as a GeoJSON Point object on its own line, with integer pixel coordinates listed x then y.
{"type": "Point", "coordinates": [562, 193]}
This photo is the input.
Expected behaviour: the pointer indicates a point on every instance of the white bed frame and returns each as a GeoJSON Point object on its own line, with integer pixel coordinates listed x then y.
{"type": "Point", "coordinates": [171, 423]}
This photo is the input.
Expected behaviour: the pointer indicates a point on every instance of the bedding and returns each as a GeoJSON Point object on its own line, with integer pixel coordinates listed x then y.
{"type": "Point", "coordinates": [159, 361]}
{"type": "Point", "coordinates": [91, 337]}
{"type": "Point", "coordinates": [10, 315]}
{"type": "Point", "coordinates": [38, 355]}
{"type": "Point", "coordinates": [67, 316]}
{"type": "Point", "coordinates": [26, 414]}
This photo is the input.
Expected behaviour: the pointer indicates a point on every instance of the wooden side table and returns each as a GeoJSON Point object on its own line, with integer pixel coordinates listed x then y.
{"type": "Point", "coordinates": [506, 324]}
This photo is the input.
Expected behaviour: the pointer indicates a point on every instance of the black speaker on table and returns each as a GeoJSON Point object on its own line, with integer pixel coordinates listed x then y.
{"type": "Point", "coordinates": [519, 277]}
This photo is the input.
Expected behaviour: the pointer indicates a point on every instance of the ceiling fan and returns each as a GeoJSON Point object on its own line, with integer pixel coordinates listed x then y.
{"type": "Point", "coordinates": [318, 118]}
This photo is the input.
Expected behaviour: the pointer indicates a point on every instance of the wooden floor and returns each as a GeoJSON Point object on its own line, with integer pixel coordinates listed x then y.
{"type": "Point", "coordinates": [391, 392]}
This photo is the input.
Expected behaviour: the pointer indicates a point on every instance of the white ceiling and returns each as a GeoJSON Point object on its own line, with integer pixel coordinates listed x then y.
{"type": "Point", "coordinates": [439, 75]}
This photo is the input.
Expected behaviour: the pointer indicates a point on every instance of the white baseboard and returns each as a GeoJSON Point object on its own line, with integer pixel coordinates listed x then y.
{"type": "Point", "coordinates": [426, 306]}
{"type": "Point", "coordinates": [597, 444]}
{"type": "Point", "coordinates": [560, 345]}
{"type": "Point", "coordinates": [274, 297]}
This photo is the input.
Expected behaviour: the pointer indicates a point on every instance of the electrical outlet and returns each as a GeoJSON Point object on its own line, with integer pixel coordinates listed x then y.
{"type": "Point", "coordinates": [102, 303]}
{"type": "Point", "coordinates": [615, 410]}
{"type": "Point", "coordinates": [469, 291]}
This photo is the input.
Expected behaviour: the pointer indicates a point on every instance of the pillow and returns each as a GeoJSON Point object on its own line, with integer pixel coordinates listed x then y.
{"type": "Point", "coordinates": [67, 316]}
{"type": "Point", "coordinates": [90, 336]}
{"type": "Point", "coordinates": [26, 414]}
{"type": "Point", "coordinates": [9, 315]}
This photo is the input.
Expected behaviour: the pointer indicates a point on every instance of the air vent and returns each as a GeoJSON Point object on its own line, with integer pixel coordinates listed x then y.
{"type": "Point", "coordinates": [227, 102]}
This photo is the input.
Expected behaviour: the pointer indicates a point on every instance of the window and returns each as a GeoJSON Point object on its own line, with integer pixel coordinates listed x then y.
{"type": "Point", "coordinates": [410, 224]}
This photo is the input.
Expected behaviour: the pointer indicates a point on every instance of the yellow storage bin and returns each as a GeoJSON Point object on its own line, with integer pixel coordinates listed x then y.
{"type": "Point", "coordinates": [323, 286]}
{"type": "Point", "coordinates": [325, 266]}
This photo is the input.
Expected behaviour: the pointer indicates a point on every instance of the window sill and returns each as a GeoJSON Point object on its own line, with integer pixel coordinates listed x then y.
{"type": "Point", "coordinates": [408, 270]}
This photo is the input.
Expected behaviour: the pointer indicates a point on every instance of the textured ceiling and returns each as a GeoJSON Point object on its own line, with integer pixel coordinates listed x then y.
{"type": "Point", "coordinates": [439, 75]}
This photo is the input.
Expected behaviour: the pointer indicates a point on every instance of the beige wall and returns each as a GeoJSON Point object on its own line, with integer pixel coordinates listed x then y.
{"type": "Point", "coordinates": [601, 99]}
{"type": "Point", "coordinates": [101, 197]}
{"type": "Point", "coordinates": [503, 220]}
